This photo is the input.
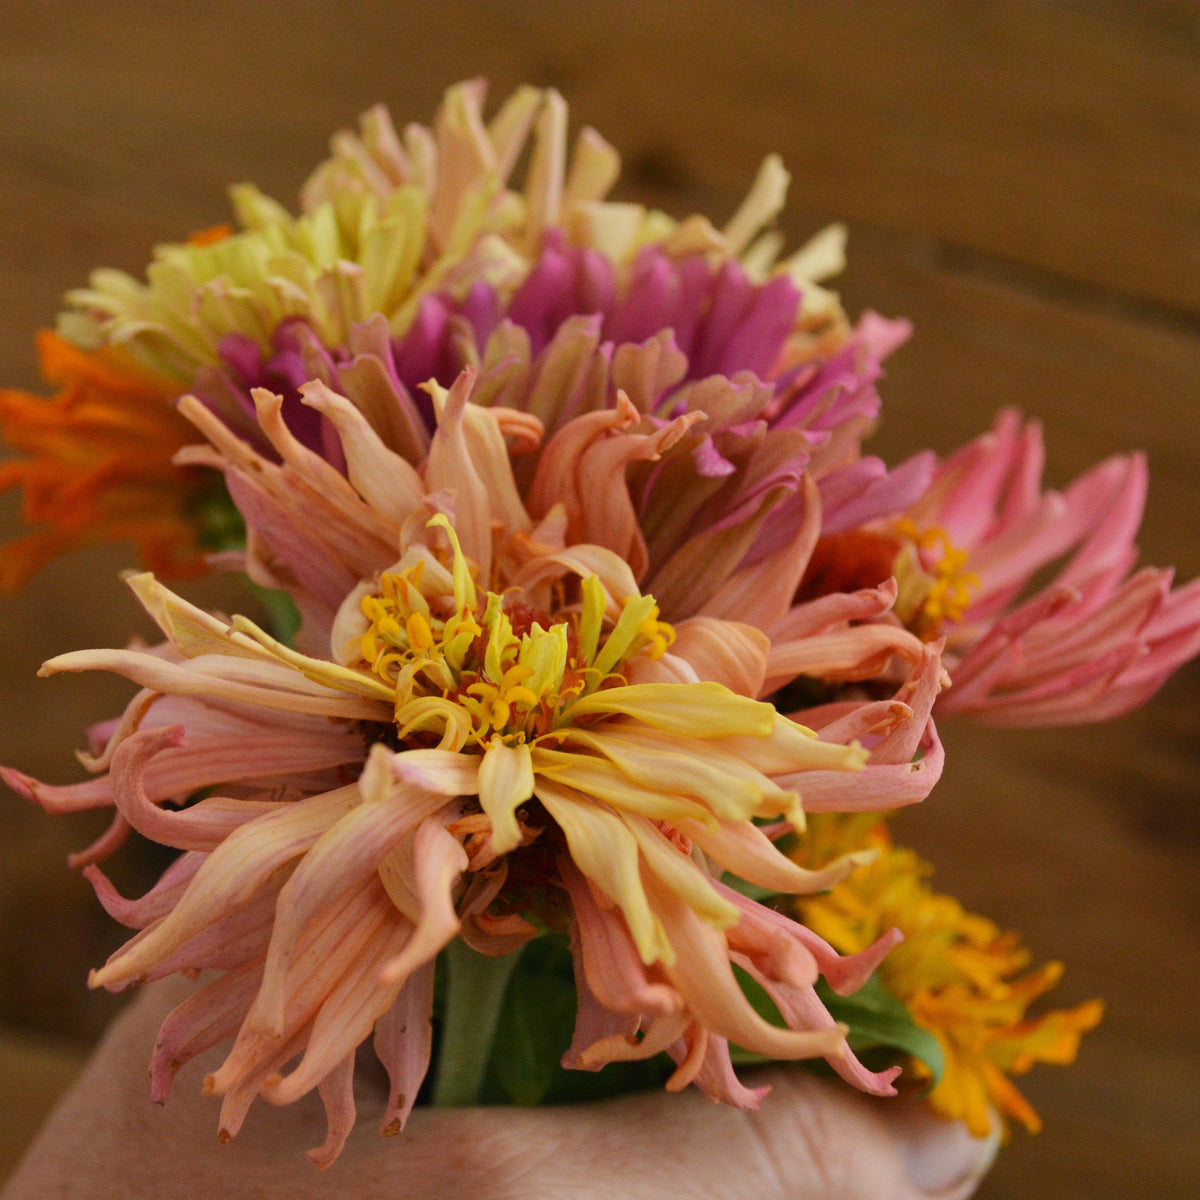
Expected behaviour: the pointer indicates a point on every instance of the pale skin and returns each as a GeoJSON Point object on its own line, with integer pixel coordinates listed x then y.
{"type": "Point", "coordinates": [812, 1140]}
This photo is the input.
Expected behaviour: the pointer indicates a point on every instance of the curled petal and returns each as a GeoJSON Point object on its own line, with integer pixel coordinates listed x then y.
{"type": "Point", "coordinates": [337, 1095]}
{"type": "Point", "coordinates": [344, 857]}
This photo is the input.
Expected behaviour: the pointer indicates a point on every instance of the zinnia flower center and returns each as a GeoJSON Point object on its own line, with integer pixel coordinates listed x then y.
{"type": "Point", "coordinates": [931, 571]}
{"type": "Point", "coordinates": [935, 585]}
{"type": "Point", "coordinates": [513, 672]}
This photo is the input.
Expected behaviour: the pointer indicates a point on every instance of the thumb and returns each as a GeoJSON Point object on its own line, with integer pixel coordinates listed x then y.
{"type": "Point", "coordinates": [941, 1158]}
{"type": "Point", "coordinates": [857, 1146]}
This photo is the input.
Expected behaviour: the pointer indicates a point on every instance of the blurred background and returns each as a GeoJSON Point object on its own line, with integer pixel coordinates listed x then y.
{"type": "Point", "coordinates": [1022, 180]}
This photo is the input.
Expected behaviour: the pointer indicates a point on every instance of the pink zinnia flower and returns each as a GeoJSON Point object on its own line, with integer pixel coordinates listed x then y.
{"type": "Point", "coordinates": [1094, 640]}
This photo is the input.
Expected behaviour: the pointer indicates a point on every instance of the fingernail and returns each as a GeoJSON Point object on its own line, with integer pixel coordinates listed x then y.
{"type": "Point", "coordinates": [943, 1160]}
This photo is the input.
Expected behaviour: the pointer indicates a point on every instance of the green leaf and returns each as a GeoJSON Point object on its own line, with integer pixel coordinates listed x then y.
{"type": "Point", "coordinates": [534, 1031]}
{"type": "Point", "coordinates": [219, 525]}
{"type": "Point", "coordinates": [535, 1024]}
{"type": "Point", "coordinates": [754, 891]}
{"type": "Point", "coordinates": [878, 1020]}
{"type": "Point", "coordinates": [283, 617]}
{"type": "Point", "coordinates": [475, 989]}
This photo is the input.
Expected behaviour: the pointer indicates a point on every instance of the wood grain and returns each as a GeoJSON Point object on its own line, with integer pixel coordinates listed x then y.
{"type": "Point", "coordinates": [1021, 180]}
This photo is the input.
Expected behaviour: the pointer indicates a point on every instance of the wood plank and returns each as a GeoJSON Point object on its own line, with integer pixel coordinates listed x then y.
{"type": "Point", "coordinates": [1051, 135]}
{"type": "Point", "coordinates": [37, 1071]}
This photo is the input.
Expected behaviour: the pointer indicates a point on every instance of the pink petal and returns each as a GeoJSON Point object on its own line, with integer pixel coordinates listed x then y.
{"type": "Point", "coordinates": [343, 858]}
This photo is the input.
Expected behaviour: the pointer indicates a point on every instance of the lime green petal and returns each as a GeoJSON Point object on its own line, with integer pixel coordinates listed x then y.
{"type": "Point", "coordinates": [702, 710]}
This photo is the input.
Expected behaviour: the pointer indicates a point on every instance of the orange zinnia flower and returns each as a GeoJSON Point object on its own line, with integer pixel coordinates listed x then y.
{"type": "Point", "coordinates": [98, 465]}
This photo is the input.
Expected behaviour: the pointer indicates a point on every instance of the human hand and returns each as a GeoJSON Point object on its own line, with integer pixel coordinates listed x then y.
{"type": "Point", "coordinates": [812, 1140]}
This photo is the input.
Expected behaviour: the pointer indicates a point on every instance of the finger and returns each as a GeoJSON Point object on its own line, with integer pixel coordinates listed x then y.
{"type": "Point", "coordinates": [941, 1158]}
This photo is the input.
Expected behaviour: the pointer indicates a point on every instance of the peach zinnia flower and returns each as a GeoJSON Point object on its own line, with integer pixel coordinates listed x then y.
{"type": "Point", "coordinates": [711, 482]}
{"type": "Point", "coordinates": [487, 730]}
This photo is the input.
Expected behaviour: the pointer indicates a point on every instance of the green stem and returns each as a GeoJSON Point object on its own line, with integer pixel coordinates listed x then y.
{"type": "Point", "coordinates": [475, 989]}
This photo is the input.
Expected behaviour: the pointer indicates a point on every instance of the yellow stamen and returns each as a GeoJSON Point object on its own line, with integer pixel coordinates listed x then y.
{"type": "Point", "coordinates": [420, 636]}
{"type": "Point", "coordinates": [509, 688]}
{"type": "Point", "coordinates": [935, 585]}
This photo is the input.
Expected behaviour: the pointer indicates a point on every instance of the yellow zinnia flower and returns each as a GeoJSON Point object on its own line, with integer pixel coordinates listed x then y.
{"type": "Point", "coordinates": [957, 972]}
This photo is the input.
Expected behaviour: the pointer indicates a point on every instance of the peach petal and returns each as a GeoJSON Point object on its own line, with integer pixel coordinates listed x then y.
{"type": "Point", "coordinates": [878, 786]}
{"type": "Point", "coordinates": [238, 938]}
{"type": "Point", "coordinates": [716, 1078]}
{"type": "Point", "coordinates": [228, 878]}
{"type": "Point", "coordinates": [404, 1043]}
{"type": "Point", "coordinates": [848, 655]}
{"type": "Point", "coordinates": [594, 1021]}
{"type": "Point", "coordinates": [689, 1053]}
{"type": "Point", "coordinates": [744, 849]}
{"type": "Point", "coordinates": [107, 844]}
{"type": "Point", "coordinates": [389, 484]}
{"type": "Point", "coordinates": [156, 903]}
{"type": "Point", "coordinates": [438, 863]}
{"type": "Point", "coordinates": [601, 507]}
{"type": "Point", "coordinates": [330, 946]}
{"type": "Point", "coordinates": [201, 826]}
{"type": "Point", "coordinates": [659, 1035]}
{"type": "Point", "coordinates": [759, 926]}
{"type": "Point", "coordinates": [829, 612]}
{"type": "Point", "coordinates": [615, 975]}
{"type": "Point", "coordinates": [342, 858]}
{"type": "Point", "coordinates": [727, 652]}
{"type": "Point", "coordinates": [337, 1095]}
{"type": "Point", "coordinates": [702, 973]}
{"type": "Point", "coordinates": [355, 1000]}
{"type": "Point", "coordinates": [801, 1006]}
{"type": "Point", "coordinates": [761, 594]}
{"type": "Point", "coordinates": [303, 466]}
{"type": "Point", "coordinates": [261, 684]}
{"type": "Point", "coordinates": [207, 1017]}
{"type": "Point", "coordinates": [240, 1094]}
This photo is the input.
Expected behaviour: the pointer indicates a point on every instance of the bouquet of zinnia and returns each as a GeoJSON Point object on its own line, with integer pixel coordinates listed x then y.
{"type": "Point", "coordinates": [597, 651]}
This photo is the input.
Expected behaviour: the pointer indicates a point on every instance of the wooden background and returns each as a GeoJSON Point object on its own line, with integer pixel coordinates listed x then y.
{"type": "Point", "coordinates": [1021, 180]}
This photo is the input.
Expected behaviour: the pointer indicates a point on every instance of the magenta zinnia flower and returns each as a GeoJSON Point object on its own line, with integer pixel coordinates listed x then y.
{"type": "Point", "coordinates": [713, 487]}
{"type": "Point", "coordinates": [488, 730]}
